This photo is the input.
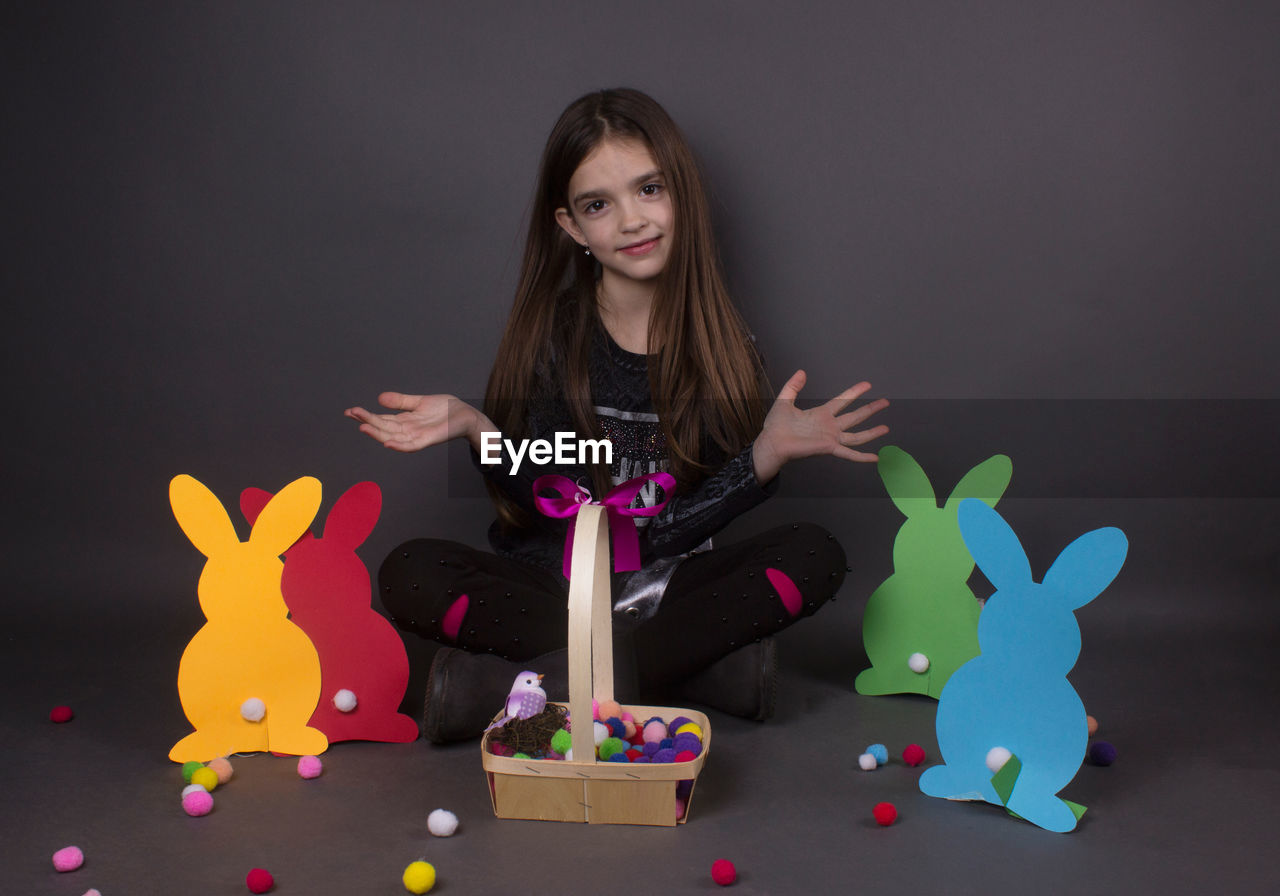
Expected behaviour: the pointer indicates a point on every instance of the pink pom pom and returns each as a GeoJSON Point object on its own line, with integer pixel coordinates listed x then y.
{"type": "Point", "coordinates": [310, 766]}
{"type": "Point", "coordinates": [723, 872]}
{"type": "Point", "coordinates": [259, 880]}
{"type": "Point", "coordinates": [197, 802]}
{"type": "Point", "coordinates": [913, 755]}
{"type": "Point", "coordinates": [69, 858]}
{"type": "Point", "coordinates": [61, 714]}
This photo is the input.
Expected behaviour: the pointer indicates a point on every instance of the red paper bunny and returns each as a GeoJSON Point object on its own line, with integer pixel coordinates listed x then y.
{"type": "Point", "coordinates": [327, 589]}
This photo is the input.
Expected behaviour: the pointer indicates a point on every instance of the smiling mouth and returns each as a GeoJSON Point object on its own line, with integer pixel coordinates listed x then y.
{"type": "Point", "coordinates": [643, 248]}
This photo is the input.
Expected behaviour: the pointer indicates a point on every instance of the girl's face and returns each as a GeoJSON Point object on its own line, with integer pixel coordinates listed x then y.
{"type": "Point", "coordinates": [620, 209]}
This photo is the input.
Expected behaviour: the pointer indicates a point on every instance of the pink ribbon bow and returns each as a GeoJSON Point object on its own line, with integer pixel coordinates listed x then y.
{"type": "Point", "coordinates": [617, 504]}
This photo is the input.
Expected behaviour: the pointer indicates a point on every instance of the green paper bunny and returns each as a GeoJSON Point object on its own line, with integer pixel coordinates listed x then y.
{"type": "Point", "coordinates": [921, 624]}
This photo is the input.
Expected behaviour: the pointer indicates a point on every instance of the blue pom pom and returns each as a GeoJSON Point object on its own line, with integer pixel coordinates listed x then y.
{"type": "Point", "coordinates": [1102, 753]}
{"type": "Point", "coordinates": [666, 743]}
{"type": "Point", "coordinates": [687, 741]}
{"type": "Point", "coordinates": [616, 728]}
{"type": "Point", "coordinates": [684, 788]}
{"type": "Point", "coordinates": [620, 756]}
{"type": "Point", "coordinates": [880, 752]}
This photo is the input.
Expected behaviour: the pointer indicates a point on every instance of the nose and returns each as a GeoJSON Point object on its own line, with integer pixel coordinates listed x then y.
{"type": "Point", "coordinates": [633, 218]}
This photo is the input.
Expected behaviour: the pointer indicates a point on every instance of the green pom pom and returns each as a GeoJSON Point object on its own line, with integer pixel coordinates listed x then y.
{"type": "Point", "coordinates": [188, 768]}
{"type": "Point", "coordinates": [561, 741]}
{"type": "Point", "coordinates": [520, 756]}
{"type": "Point", "coordinates": [611, 745]}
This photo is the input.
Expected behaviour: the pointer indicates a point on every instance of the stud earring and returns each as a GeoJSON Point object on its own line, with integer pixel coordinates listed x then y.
{"type": "Point", "coordinates": [586, 250]}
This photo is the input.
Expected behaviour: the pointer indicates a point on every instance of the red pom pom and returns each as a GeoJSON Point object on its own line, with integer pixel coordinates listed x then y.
{"type": "Point", "coordinates": [885, 814]}
{"type": "Point", "coordinates": [633, 755]}
{"type": "Point", "coordinates": [686, 756]}
{"type": "Point", "coordinates": [259, 880]}
{"type": "Point", "coordinates": [61, 714]}
{"type": "Point", "coordinates": [723, 872]}
{"type": "Point", "coordinates": [913, 755]}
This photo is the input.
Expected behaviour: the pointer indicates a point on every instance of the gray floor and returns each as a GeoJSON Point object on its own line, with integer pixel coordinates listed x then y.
{"type": "Point", "coordinates": [1178, 667]}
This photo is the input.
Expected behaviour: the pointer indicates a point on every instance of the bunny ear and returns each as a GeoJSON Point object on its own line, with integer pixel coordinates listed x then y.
{"type": "Point", "coordinates": [906, 482]}
{"type": "Point", "coordinates": [986, 482]}
{"type": "Point", "coordinates": [1087, 566]}
{"type": "Point", "coordinates": [287, 515]}
{"type": "Point", "coordinates": [201, 516]}
{"type": "Point", "coordinates": [252, 502]}
{"type": "Point", "coordinates": [993, 544]}
{"type": "Point", "coordinates": [354, 515]}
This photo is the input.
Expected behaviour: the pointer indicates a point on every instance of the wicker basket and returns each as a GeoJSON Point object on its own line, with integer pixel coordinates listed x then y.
{"type": "Point", "coordinates": [586, 789]}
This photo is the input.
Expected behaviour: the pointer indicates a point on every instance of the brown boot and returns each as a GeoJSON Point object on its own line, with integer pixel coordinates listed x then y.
{"type": "Point", "coordinates": [465, 691]}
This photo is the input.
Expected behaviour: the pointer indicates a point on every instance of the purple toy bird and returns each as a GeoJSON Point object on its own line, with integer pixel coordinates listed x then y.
{"type": "Point", "coordinates": [526, 700]}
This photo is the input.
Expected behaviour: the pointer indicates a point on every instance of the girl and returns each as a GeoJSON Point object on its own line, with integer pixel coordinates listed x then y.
{"type": "Point", "coordinates": [622, 330]}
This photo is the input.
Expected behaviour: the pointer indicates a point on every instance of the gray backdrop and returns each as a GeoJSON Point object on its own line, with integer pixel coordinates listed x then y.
{"type": "Point", "coordinates": [1040, 228]}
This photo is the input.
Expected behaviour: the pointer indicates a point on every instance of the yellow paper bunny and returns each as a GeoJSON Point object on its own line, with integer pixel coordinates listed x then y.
{"type": "Point", "coordinates": [248, 651]}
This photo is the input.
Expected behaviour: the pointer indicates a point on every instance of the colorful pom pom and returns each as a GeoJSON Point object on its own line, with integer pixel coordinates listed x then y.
{"type": "Point", "coordinates": [69, 858]}
{"type": "Point", "coordinates": [1102, 753]}
{"type": "Point", "coordinates": [867, 762]}
{"type": "Point", "coordinates": [616, 728]}
{"type": "Point", "coordinates": [310, 766]}
{"type": "Point", "coordinates": [690, 728]}
{"type": "Point", "coordinates": [222, 768]}
{"type": "Point", "coordinates": [677, 722]}
{"type": "Point", "coordinates": [601, 731]}
{"type": "Point", "coordinates": [61, 714]}
{"type": "Point", "coordinates": [685, 756]}
{"type": "Point", "coordinates": [996, 758]}
{"type": "Point", "coordinates": [442, 823]}
{"type": "Point", "coordinates": [259, 880]}
{"type": "Point", "coordinates": [188, 769]}
{"type": "Point", "coordinates": [561, 741]}
{"type": "Point", "coordinates": [609, 709]}
{"type": "Point", "coordinates": [344, 700]}
{"type": "Point", "coordinates": [885, 814]}
{"type": "Point", "coordinates": [723, 872]}
{"type": "Point", "coordinates": [253, 710]}
{"type": "Point", "coordinates": [192, 788]}
{"type": "Point", "coordinates": [206, 778]}
{"type": "Point", "coordinates": [198, 802]}
{"type": "Point", "coordinates": [654, 731]}
{"type": "Point", "coordinates": [666, 754]}
{"type": "Point", "coordinates": [609, 746]}
{"type": "Point", "coordinates": [880, 752]}
{"type": "Point", "coordinates": [687, 741]}
{"type": "Point", "coordinates": [1092, 723]}
{"type": "Point", "coordinates": [419, 877]}
{"type": "Point", "coordinates": [913, 755]}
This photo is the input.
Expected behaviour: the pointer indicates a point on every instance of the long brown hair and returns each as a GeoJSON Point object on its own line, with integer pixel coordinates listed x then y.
{"type": "Point", "coordinates": [708, 387]}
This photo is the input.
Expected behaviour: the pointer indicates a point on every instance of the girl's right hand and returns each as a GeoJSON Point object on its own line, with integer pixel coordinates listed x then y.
{"type": "Point", "coordinates": [422, 421]}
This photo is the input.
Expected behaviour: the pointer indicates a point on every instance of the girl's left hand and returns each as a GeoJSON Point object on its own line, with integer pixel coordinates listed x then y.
{"type": "Point", "coordinates": [790, 433]}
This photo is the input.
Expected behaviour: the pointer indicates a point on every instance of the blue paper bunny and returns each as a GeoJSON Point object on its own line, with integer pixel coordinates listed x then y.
{"type": "Point", "coordinates": [1015, 694]}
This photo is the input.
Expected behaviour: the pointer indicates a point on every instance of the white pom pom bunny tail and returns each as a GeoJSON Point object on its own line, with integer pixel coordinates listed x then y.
{"type": "Point", "coordinates": [253, 710]}
{"type": "Point", "coordinates": [345, 700]}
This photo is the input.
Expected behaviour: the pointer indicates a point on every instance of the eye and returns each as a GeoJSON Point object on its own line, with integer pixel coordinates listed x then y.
{"type": "Point", "coordinates": [592, 207]}
{"type": "Point", "coordinates": [651, 189]}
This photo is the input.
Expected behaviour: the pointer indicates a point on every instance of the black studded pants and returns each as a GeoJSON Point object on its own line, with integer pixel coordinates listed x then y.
{"type": "Point", "coordinates": [716, 601]}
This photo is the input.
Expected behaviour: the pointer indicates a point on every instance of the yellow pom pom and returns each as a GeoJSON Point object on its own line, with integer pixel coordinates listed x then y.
{"type": "Point", "coordinates": [205, 777]}
{"type": "Point", "coordinates": [419, 877]}
{"type": "Point", "coordinates": [692, 728]}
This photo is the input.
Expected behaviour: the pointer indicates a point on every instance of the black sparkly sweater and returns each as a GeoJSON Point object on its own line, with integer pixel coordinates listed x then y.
{"type": "Point", "coordinates": [624, 411]}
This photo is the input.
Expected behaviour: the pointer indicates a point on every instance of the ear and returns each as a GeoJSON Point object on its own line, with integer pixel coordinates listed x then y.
{"type": "Point", "coordinates": [354, 515]}
{"type": "Point", "coordinates": [905, 481]}
{"type": "Point", "coordinates": [201, 516]}
{"type": "Point", "coordinates": [1087, 566]}
{"type": "Point", "coordinates": [993, 544]}
{"type": "Point", "coordinates": [287, 516]}
{"type": "Point", "coordinates": [252, 501]}
{"type": "Point", "coordinates": [986, 482]}
{"type": "Point", "coordinates": [565, 219]}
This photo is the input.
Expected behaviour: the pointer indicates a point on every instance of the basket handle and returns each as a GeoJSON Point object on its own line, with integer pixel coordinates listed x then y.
{"type": "Point", "coordinates": [590, 626]}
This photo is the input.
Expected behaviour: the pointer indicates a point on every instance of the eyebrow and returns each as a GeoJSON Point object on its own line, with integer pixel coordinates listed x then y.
{"type": "Point", "coordinates": [640, 181]}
